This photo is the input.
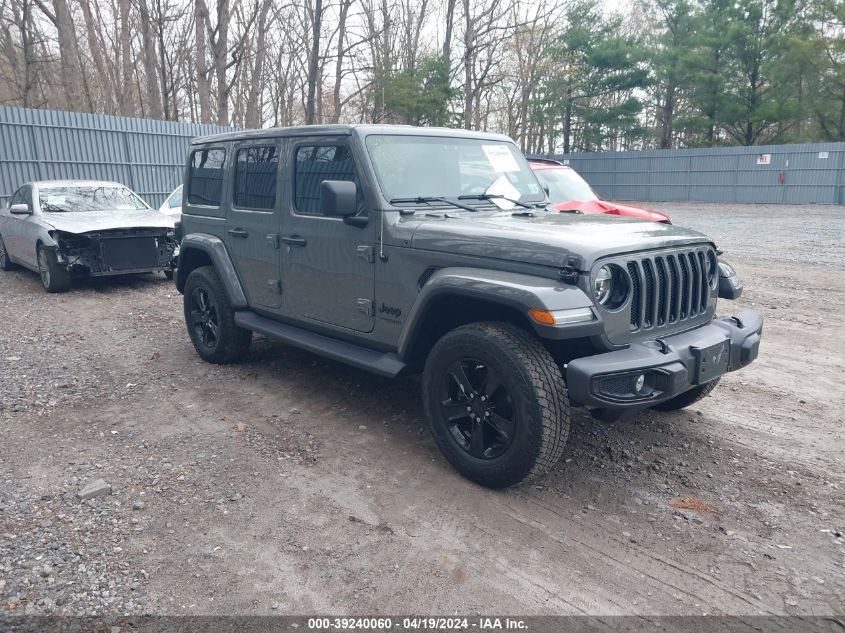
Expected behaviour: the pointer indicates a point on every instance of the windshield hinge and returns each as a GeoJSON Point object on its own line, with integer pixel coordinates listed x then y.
{"type": "Point", "coordinates": [366, 252]}
{"type": "Point", "coordinates": [569, 271]}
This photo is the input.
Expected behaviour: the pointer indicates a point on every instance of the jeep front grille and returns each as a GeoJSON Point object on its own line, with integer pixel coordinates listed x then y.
{"type": "Point", "coordinates": [668, 288]}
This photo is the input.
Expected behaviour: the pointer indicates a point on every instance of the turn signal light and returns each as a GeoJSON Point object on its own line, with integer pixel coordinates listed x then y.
{"type": "Point", "coordinates": [542, 316]}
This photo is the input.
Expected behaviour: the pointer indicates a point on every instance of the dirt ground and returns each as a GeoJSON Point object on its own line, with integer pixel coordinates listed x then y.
{"type": "Point", "coordinates": [288, 484]}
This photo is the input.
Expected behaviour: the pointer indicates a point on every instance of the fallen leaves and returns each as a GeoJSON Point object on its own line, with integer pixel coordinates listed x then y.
{"type": "Point", "coordinates": [694, 504]}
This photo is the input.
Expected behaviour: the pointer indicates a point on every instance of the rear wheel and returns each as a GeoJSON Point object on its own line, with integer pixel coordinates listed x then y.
{"type": "Point", "coordinates": [5, 262]}
{"type": "Point", "coordinates": [54, 277]}
{"type": "Point", "coordinates": [210, 318]}
{"type": "Point", "coordinates": [688, 397]}
{"type": "Point", "coordinates": [496, 403]}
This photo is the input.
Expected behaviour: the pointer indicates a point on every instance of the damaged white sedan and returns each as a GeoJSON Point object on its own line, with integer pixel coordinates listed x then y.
{"type": "Point", "coordinates": [67, 228]}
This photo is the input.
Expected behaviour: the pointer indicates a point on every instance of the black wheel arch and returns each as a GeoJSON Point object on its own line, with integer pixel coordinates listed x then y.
{"type": "Point", "coordinates": [451, 297]}
{"type": "Point", "coordinates": [199, 249]}
{"type": "Point", "coordinates": [449, 310]}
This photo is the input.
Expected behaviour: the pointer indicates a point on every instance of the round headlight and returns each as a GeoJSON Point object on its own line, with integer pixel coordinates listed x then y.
{"type": "Point", "coordinates": [603, 285]}
{"type": "Point", "coordinates": [611, 287]}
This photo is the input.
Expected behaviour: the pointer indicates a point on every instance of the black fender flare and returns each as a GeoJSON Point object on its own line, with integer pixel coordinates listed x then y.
{"type": "Point", "coordinates": [512, 290]}
{"type": "Point", "coordinates": [216, 251]}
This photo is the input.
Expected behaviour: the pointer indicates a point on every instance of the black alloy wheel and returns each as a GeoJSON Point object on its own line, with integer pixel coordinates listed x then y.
{"type": "Point", "coordinates": [204, 318]}
{"type": "Point", "coordinates": [210, 318]}
{"type": "Point", "coordinates": [478, 409]}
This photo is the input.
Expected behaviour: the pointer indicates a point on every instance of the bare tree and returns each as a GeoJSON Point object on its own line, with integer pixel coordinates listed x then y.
{"type": "Point", "coordinates": [152, 88]}
{"type": "Point", "coordinates": [203, 84]}
{"type": "Point", "coordinates": [316, 15]}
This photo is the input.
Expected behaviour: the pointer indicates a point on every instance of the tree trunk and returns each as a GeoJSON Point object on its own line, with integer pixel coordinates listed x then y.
{"type": "Point", "coordinates": [842, 115]}
{"type": "Point", "coordinates": [69, 56]}
{"type": "Point", "coordinates": [667, 125]}
{"type": "Point", "coordinates": [447, 38]}
{"type": "Point", "coordinates": [127, 96]}
{"type": "Point", "coordinates": [150, 79]}
{"type": "Point", "coordinates": [468, 63]}
{"type": "Point", "coordinates": [313, 62]}
{"type": "Point", "coordinates": [221, 50]}
{"type": "Point", "coordinates": [164, 69]}
{"type": "Point", "coordinates": [567, 127]}
{"type": "Point", "coordinates": [94, 45]}
{"type": "Point", "coordinates": [338, 67]}
{"type": "Point", "coordinates": [253, 104]}
{"type": "Point", "coordinates": [203, 87]}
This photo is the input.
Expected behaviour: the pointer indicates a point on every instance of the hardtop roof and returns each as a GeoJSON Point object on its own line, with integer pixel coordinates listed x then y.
{"type": "Point", "coordinates": [362, 129]}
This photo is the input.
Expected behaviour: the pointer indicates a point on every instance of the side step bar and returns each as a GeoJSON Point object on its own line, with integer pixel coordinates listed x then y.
{"type": "Point", "coordinates": [383, 363]}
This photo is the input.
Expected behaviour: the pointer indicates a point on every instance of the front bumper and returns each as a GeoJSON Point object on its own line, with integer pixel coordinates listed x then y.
{"type": "Point", "coordinates": [665, 367]}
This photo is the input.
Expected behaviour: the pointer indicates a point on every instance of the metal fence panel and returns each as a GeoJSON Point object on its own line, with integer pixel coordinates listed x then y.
{"type": "Point", "coordinates": [146, 155]}
{"type": "Point", "coordinates": [780, 174]}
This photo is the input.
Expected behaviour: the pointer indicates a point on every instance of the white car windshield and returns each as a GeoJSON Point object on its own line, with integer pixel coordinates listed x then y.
{"type": "Point", "coordinates": [88, 198]}
{"type": "Point", "coordinates": [175, 199]}
{"type": "Point", "coordinates": [565, 184]}
{"type": "Point", "coordinates": [413, 168]}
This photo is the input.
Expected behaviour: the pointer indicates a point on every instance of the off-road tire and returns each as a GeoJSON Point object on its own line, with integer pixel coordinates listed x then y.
{"type": "Point", "coordinates": [534, 384]}
{"type": "Point", "coordinates": [54, 277]}
{"type": "Point", "coordinates": [688, 397]}
{"type": "Point", "coordinates": [5, 262]}
{"type": "Point", "coordinates": [231, 341]}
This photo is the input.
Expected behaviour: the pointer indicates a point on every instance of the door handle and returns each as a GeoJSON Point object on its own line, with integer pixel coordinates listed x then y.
{"type": "Point", "coordinates": [294, 240]}
{"type": "Point", "coordinates": [237, 232]}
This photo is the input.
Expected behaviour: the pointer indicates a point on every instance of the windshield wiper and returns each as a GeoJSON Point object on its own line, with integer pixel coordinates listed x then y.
{"type": "Point", "coordinates": [429, 199]}
{"type": "Point", "coordinates": [496, 196]}
{"type": "Point", "coordinates": [52, 208]}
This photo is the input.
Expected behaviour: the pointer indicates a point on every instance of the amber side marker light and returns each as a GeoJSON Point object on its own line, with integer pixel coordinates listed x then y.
{"type": "Point", "coordinates": [561, 317]}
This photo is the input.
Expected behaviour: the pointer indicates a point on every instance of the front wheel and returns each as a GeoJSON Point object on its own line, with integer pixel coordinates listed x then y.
{"type": "Point", "coordinates": [210, 318]}
{"type": "Point", "coordinates": [496, 403]}
{"type": "Point", "coordinates": [54, 277]}
{"type": "Point", "coordinates": [5, 262]}
{"type": "Point", "coordinates": [688, 397]}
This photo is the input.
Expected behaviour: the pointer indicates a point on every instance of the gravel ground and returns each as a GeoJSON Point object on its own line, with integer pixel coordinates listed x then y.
{"type": "Point", "coordinates": [291, 484]}
{"type": "Point", "coordinates": [801, 234]}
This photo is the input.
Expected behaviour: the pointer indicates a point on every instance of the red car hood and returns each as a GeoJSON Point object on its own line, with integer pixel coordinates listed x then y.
{"type": "Point", "coordinates": [610, 208]}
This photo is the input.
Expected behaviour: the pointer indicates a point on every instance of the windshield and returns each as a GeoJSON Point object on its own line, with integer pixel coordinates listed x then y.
{"type": "Point", "coordinates": [87, 198]}
{"type": "Point", "coordinates": [436, 166]}
{"type": "Point", "coordinates": [175, 199]}
{"type": "Point", "coordinates": [565, 184]}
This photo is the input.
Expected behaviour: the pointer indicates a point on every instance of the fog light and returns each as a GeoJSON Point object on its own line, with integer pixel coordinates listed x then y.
{"type": "Point", "coordinates": [639, 383]}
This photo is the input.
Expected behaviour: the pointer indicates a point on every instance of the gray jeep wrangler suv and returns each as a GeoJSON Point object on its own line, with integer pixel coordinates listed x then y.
{"type": "Point", "coordinates": [399, 249]}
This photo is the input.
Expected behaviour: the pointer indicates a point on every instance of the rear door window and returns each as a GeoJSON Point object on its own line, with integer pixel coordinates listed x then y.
{"type": "Point", "coordinates": [256, 177]}
{"type": "Point", "coordinates": [205, 185]}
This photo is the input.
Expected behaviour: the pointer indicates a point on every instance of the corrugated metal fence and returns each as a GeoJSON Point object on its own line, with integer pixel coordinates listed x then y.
{"type": "Point", "coordinates": [811, 173]}
{"type": "Point", "coordinates": [146, 155]}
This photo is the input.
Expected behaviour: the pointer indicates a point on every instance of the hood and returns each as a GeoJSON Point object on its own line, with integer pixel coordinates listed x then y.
{"type": "Point", "coordinates": [87, 222]}
{"type": "Point", "coordinates": [547, 238]}
{"type": "Point", "coordinates": [610, 208]}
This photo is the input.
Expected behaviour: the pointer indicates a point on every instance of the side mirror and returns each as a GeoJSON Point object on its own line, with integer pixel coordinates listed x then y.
{"type": "Point", "coordinates": [338, 198]}
{"type": "Point", "coordinates": [729, 285]}
{"type": "Point", "coordinates": [20, 209]}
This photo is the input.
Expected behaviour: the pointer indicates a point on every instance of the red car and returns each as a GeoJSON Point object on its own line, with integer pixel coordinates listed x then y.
{"type": "Point", "coordinates": [569, 192]}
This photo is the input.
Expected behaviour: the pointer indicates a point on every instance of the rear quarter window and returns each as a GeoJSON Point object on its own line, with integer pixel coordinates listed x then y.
{"type": "Point", "coordinates": [205, 183]}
